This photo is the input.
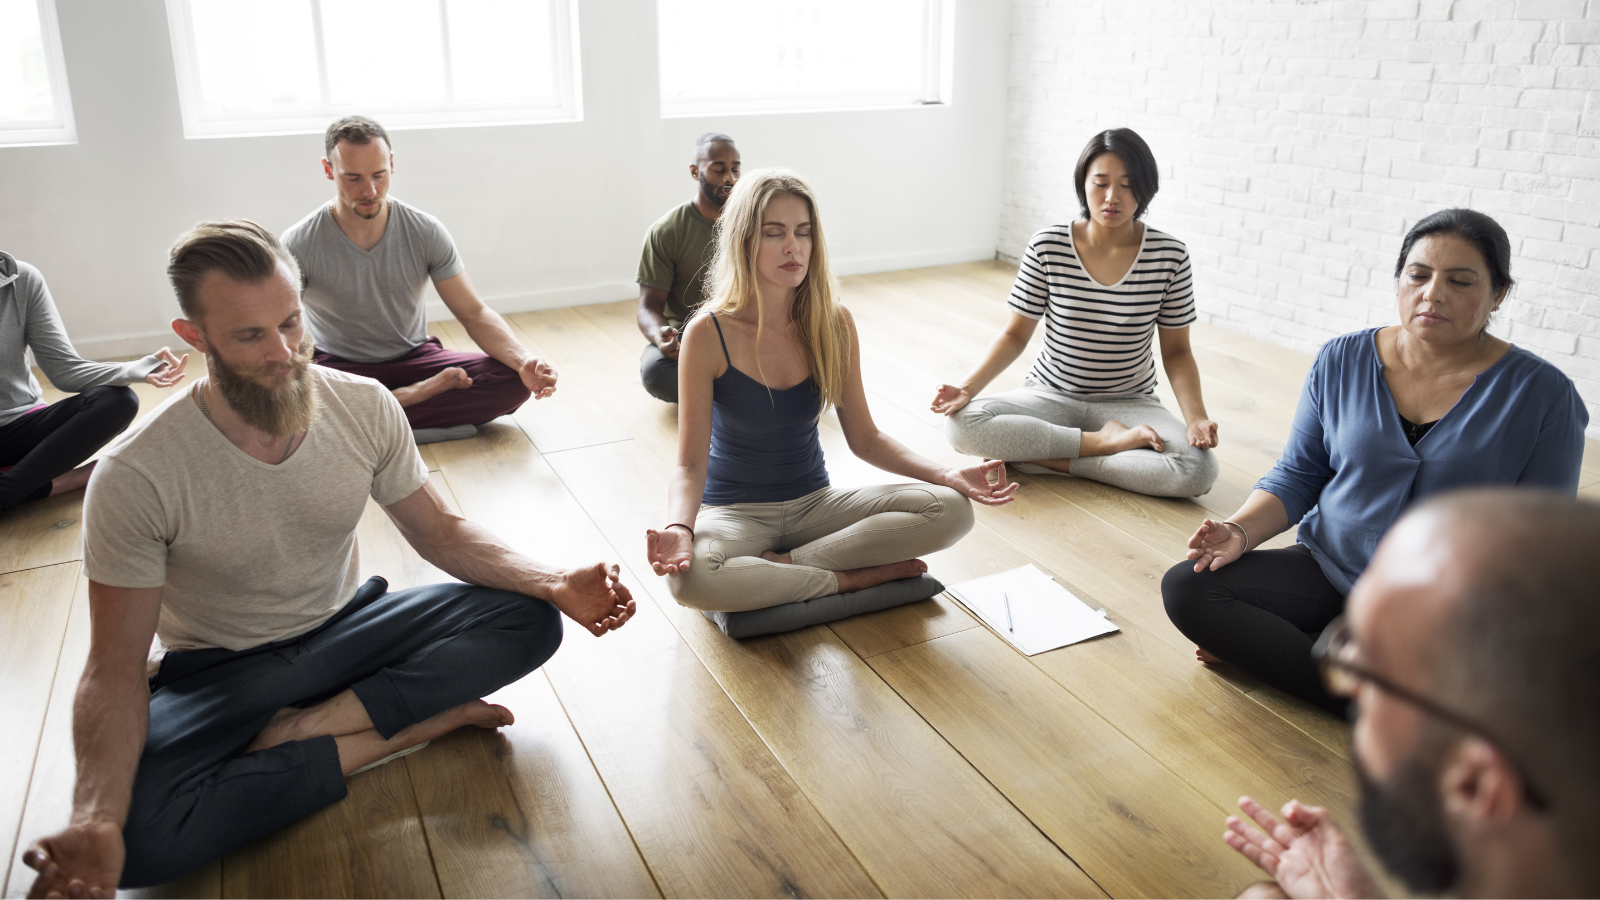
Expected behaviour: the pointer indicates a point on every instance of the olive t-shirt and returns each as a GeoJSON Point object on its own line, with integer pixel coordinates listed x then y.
{"type": "Point", "coordinates": [677, 258]}
{"type": "Point", "coordinates": [244, 552]}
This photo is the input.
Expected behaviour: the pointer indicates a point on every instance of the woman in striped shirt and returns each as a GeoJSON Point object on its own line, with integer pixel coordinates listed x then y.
{"type": "Point", "coordinates": [1102, 285]}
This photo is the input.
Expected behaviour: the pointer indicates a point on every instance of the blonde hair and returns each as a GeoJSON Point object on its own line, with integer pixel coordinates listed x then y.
{"type": "Point", "coordinates": [733, 289]}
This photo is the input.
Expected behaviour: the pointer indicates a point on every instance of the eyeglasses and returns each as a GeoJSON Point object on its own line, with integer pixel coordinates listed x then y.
{"type": "Point", "coordinates": [1343, 678]}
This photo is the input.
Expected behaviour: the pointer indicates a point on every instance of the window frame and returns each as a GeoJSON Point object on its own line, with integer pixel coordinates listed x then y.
{"type": "Point", "coordinates": [938, 78]}
{"type": "Point", "coordinates": [63, 129]}
{"type": "Point", "coordinates": [197, 124]}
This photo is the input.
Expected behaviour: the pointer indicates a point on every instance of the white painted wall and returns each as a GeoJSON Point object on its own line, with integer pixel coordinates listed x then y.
{"type": "Point", "coordinates": [1299, 140]}
{"type": "Point", "coordinates": [545, 215]}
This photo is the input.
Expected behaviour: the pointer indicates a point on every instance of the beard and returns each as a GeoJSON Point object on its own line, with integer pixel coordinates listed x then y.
{"type": "Point", "coordinates": [1403, 821]}
{"type": "Point", "coordinates": [286, 409]}
{"type": "Point", "coordinates": [712, 193]}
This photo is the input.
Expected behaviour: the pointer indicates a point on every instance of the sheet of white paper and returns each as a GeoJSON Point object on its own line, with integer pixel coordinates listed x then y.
{"type": "Point", "coordinates": [1044, 615]}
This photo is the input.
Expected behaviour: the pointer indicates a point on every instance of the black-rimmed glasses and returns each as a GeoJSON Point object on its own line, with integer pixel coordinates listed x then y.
{"type": "Point", "coordinates": [1333, 652]}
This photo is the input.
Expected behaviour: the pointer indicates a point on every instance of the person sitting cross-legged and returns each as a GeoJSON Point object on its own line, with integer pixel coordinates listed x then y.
{"type": "Point", "coordinates": [1472, 650]}
{"type": "Point", "coordinates": [755, 525]}
{"type": "Point", "coordinates": [226, 525]}
{"type": "Point", "coordinates": [364, 260]}
{"type": "Point", "coordinates": [42, 445]}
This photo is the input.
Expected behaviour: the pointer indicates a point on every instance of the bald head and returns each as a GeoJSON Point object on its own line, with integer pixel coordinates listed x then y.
{"type": "Point", "coordinates": [1486, 601]}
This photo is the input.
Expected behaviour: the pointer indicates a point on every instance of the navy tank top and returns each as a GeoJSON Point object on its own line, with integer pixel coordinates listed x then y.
{"type": "Point", "coordinates": [764, 446]}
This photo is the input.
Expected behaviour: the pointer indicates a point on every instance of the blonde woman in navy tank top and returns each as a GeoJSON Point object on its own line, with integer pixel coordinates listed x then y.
{"type": "Point", "coordinates": [752, 521]}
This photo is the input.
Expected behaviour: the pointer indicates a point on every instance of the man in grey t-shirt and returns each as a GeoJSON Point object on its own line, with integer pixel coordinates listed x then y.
{"type": "Point", "coordinates": [226, 524]}
{"type": "Point", "coordinates": [365, 260]}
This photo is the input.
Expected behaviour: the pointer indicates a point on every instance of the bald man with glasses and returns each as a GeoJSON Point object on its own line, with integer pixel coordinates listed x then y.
{"type": "Point", "coordinates": [1472, 652]}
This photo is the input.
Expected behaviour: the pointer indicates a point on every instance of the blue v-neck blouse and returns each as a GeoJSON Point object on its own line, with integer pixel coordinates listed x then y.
{"type": "Point", "coordinates": [1347, 472]}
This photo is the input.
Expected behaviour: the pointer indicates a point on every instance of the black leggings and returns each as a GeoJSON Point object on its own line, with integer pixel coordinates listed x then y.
{"type": "Point", "coordinates": [48, 442]}
{"type": "Point", "coordinates": [1261, 614]}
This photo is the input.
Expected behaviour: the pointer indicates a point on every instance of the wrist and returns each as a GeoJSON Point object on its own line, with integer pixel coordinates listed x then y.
{"type": "Point", "coordinates": [681, 527]}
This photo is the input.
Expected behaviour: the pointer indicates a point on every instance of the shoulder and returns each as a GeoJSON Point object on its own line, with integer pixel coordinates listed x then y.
{"type": "Point", "coordinates": [672, 220]}
{"type": "Point", "coordinates": [29, 280]}
{"type": "Point", "coordinates": [155, 441]}
{"type": "Point", "coordinates": [1052, 236]}
{"type": "Point", "coordinates": [305, 229]}
{"type": "Point", "coordinates": [1348, 347]}
{"type": "Point", "coordinates": [1541, 375]}
{"type": "Point", "coordinates": [1156, 240]}
{"type": "Point", "coordinates": [412, 217]}
{"type": "Point", "coordinates": [350, 389]}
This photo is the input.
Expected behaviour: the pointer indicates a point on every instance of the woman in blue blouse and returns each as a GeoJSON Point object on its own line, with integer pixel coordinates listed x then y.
{"type": "Point", "coordinates": [1387, 416]}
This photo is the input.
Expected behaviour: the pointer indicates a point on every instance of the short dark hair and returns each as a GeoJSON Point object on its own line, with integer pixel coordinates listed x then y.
{"type": "Point", "coordinates": [238, 248]}
{"type": "Point", "coordinates": [702, 144]}
{"type": "Point", "coordinates": [1520, 651]}
{"type": "Point", "coordinates": [1126, 145]}
{"type": "Point", "coordinates": [1470, 225]}
{"type": "Point", "coordinates": [358, 130]}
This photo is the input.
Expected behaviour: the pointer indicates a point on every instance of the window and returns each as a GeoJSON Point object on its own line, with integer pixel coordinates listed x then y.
{"type": "Point", "coordinates": [291, 66]}
{"type": "Point", "coordinates": [34, 105]}
{"type": "Point", "coordinates": [756, 56]}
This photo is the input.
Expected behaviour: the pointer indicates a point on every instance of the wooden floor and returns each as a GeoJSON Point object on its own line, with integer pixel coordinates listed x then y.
{"type": "Point", "coordinates": [906, 753]}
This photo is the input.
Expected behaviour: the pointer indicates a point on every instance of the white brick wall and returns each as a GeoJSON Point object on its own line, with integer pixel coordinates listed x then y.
{"type": "Point", "coordinates": [1299, 139]}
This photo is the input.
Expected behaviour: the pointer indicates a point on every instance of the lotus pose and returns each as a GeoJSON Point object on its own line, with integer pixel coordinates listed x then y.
{"type": "Point", "coordinates": [1387, 417]}
{"type": "Point", "coordinates": [752, 521]}
{"type": "Point", "coordinates": [1104, 286]}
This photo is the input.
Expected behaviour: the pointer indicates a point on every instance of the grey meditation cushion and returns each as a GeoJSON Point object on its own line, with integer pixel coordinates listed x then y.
{"type": "Point", "coordinates": [794, 616]}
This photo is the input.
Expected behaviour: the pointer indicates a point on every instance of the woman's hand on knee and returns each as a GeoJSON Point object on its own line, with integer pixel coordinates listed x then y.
{"type": "Point", "coordinates": [949, 400]}
{"type": "Point", "coordinates": [973, 482]}
{"type": "Point", "coordinates": [670, 549]}
{"type": "Point", "coordinates": [1214, 545]}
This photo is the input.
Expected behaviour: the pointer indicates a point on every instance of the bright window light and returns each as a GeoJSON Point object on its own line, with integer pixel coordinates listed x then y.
{"type": "Point", "coordinates": [291, 66]}
{"type": "Point", "coordinates": [756, 56]}
{"type": "Point", "coordinates": [34, 105]}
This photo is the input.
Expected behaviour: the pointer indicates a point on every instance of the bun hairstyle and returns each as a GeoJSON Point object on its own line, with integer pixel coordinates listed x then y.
{"type": "Point", "coordinates": [1125, 144]}
{"type": "Point", "coordinates": [732, 287]}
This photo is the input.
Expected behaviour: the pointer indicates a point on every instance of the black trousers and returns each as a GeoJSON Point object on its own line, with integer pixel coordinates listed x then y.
{"type": "Point", "coordinates": [57, 439]}
{"type": "Point", "coordinates": [1260, 614]}
{"type": "Point", "coordinates": [408, 655]}
{"type": "Point", "coordinates": [659, 374]}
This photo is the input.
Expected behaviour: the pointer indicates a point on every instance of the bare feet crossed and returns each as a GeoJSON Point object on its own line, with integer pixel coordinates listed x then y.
{"type": "Point", "coordinates": [428, 388]}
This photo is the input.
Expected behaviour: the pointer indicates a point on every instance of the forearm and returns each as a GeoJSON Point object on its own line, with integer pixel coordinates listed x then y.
{"type": "Point", "coordinates": [110, 721]}
{"type": "Point", "coordinates": [1184, 375]}
{"type": "Point", "coordinates": [1002, 353]}
{"type": "Point", "coordinates": [651, 322]}
{"type": "Point", "coordinates": [1263, 516]}
{"type": "Point", "coordinates": [471, 553]}
{"type": "Point", "coordinates": [890, 455]}
{"type": "Point", "coordinates": [490, 331]}
{"type": "Point", "coordinates": [685, 491]}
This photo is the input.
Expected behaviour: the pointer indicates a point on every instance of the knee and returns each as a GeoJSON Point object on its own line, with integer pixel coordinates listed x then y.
{"type": "Point", "coordinates": [1186, 595]}
{"type": "Point", "coordinates": [1199, 470]}
{"type": "Point", "coordinates": [954, 512]}
{"type": "Point", "coordinates": [538, 627]}
{"type": "Point", "coordinates": [118, 405]}
{"type": "Point", "coordinates": [958, 429]}
{"type": "Point", "coordinates": [699, 586]}
{"type": "Point", "coordinates": [660, 376]}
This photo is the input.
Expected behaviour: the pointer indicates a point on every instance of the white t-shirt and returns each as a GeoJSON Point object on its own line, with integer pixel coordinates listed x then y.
{"type": "Point", "coordinates": [1098, 337]}
{"type": "Point", "coordinates": [367, 305]}
{"type": "Point", "coordinates": [245, 552]}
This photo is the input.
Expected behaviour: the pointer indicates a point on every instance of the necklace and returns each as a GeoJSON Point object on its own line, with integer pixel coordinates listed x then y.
{"type": "Point", "coordinates": [200, 391]}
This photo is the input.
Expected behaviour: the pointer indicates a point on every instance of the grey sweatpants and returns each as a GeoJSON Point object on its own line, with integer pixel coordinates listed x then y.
{"type": "Point", "coordinates": [1035, 422]}
{"type": "Point", "coordinates": [826, 531]}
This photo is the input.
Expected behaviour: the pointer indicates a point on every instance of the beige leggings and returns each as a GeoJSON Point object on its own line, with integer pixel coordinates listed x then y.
{"type": "Point", "coordinates": [826, 531]}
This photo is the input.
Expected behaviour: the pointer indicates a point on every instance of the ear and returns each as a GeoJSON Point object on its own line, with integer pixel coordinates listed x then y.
{"type": "Point", "coordinates": [391, 163]}
{"type": "Point", "coordinates": [1479, 785]}
{"type": "Point", "coordinates": [190, 334]}
{"type": "Point", "coordinates": [327, 169]}
{"type": "Point", "coordinates": [694, 171]}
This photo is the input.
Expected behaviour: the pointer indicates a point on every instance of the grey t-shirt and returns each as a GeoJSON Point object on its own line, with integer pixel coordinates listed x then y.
{"type": "Point", "coordinates": [246, 552]}
{"type": "Point", "coordinates": [28, 319]}
{"type": "Point", "coordinates": [367, 305]}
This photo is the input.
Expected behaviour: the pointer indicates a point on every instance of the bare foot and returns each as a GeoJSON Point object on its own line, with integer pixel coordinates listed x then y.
{"type": "Point", "coordinates": [449, 379]}
{"type": "Point", "coordinates": [74, 480]}
{"type": "Point", "coordinates": [357, 750]}
{"type": "Point", "coordinates": [1116, 437]}
{"type": "Point", "coordinates": [278, 731]}
{"type": "Point", "coordinates": [1201, 654]}
{"type": "Point", "coordinates": [871, 576]}
{"type": "Point", "coordinates": [781, 558]}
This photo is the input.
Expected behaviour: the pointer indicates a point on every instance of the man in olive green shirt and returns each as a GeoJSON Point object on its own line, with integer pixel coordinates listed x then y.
{"type": "Point", "coordinates": [676, 260]}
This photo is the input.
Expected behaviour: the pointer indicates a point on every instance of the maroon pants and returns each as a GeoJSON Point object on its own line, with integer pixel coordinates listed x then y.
{"type": "Point", "coordinates": [496, 388]}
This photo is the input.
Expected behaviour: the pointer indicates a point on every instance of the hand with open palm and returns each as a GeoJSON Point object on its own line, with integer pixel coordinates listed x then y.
{"type": "Point", "coordinates": [1307, 854]}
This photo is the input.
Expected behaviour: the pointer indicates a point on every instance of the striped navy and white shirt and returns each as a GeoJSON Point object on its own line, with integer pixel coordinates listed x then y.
{"type": "Point", "coordinates": [1098, 338]}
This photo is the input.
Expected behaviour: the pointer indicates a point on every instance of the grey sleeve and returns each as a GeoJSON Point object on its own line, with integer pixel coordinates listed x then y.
{"type": "Point", "coordinates": [54, 352]}
{"type": "Point", "coordinates": [444, 263]}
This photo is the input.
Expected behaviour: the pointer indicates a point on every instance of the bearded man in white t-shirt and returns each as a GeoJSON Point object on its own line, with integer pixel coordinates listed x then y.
{"type": "Point", "coordinates": [224, 523]}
